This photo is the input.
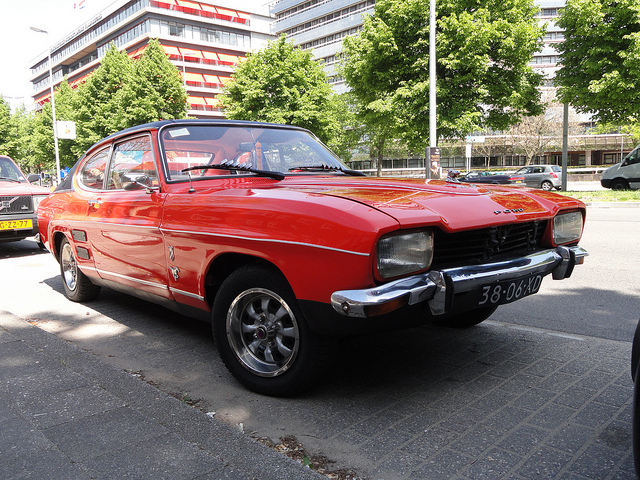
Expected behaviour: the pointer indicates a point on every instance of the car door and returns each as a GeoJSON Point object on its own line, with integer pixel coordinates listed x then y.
{"type": "Point", "coordinates": [123, 220]}
{"type": "Point", "coordinates": [630, 169]}
{"type": "Point", "coordinates": [534, 177]}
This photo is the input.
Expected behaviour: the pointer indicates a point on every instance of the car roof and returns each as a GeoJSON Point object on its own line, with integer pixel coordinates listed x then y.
{"type": "Point", "coordinates": [145, 127]}
{"type": "Point", "coordinates": [192, 121]}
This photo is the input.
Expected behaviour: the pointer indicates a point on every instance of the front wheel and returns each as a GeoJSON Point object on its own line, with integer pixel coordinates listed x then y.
{"type": "Point", "coordinates": [469, 319]}
{"type": "Point", "coordinates": [77, 286]}
{"type": "Point", "coordinates": [619, 184]}
{"type": "Point", "coordinates": [262, 336]}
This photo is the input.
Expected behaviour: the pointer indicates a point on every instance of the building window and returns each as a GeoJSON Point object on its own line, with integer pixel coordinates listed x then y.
{"type": "Point", "coordinates": [360, 8]}
{"type": "Point", "coordinates": [176, 29]}
{"type": "Point", "coordinates": [548, 12]}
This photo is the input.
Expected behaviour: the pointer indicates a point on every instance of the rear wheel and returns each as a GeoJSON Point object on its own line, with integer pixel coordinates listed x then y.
{"type": "Point", "coordinates": [262, 336]}
{"type": "Point", "coordinates": [546, 185]}
{"type": "Point", "coordinates": [469, 319]}
{"type": "Point", "coordinates": [635, 419]}
{"type": "Point", "coordinates": [77, 286]}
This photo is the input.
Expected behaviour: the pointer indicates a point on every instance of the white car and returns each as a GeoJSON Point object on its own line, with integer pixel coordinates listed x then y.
{"type": "Point", "coordinates": [623, 175]}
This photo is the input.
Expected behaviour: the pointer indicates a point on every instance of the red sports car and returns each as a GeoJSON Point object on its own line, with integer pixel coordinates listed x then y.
{"type": "Point", "coordinates": [261, 230]}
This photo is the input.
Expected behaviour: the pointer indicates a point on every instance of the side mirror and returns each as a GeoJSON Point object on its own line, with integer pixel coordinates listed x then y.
{"type": "Point", "coordinates": [136, 181]}
{"type": "Point", "coordinates": [33, 178]}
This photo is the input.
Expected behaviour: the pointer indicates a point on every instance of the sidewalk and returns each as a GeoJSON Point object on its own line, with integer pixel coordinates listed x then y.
{"type": "Point", "coordinates": [66, 415]}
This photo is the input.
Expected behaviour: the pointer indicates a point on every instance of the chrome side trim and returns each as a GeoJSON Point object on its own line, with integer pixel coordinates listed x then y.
{"type": "Point", "coordinates": [131, 279]}
{"type": "Point", "coordinates": [433, 286]}
{"type": "Point", "coordinates": [153, 228]}
{"type": "Point", "coordinates": [187, 294]}
{"type": "Point", "coordinates": [145, 282]}
{"type": "Point", "coordinates": [267, 240]}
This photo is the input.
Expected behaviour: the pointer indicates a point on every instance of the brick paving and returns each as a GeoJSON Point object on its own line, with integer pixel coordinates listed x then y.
{"type": "Point", "coordinates": [493, 402]}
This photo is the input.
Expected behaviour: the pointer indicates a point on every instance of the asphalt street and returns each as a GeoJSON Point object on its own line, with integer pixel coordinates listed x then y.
{"type": "Point", "coordinates": [541, 390]}
{"type": "Point", "coordinates": [601, 297]}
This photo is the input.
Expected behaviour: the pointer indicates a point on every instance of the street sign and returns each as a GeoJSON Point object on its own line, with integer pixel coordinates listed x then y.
{"type": "Point", "coordinates": [66, 130]}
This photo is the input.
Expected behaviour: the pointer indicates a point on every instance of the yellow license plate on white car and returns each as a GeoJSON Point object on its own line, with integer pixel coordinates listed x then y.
{"type": "Point", "coordinates": [16, 224]}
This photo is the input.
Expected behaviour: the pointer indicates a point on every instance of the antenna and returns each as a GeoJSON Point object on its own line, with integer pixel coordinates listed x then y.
{"type": "Point", "coordinates": [191, 189]}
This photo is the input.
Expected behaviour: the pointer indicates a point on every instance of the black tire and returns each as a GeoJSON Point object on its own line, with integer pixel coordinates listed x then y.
{"type": "Point", "coordinates": [547, 186]}
{"type": "Point", "coordinates": [635, 411]}
{"type": "Point", "coordinates": [77, 286]}
{"type": "Point", "coordinates": [619, 184]}
{"type": "Point", "coordinates": [635, 421]}
{"type": "Point", "coordinates": [469, 319]}
{"type": "Point", "coordinates": [262, 336]}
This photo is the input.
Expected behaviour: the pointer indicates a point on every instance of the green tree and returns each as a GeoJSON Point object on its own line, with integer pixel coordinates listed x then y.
{"type": "Point", "coordinates": [41, 131]}
{"type": "Point", "coordinates": [600, 58]}
{"type": "Point", "coordinates": [483, 48]}
{"type": "Point", "coordinates": [158, 92]}
{"type": "Point", "coordinates": [6, 140]}
{"type": "Point", "coordinates": [283, 84]}
{"type": "Point", "coordinates": [15, 134]}
{"type": "Point", "coordinates": [101, 100]}
{"type": "Point", "coordinates": [23, 123]}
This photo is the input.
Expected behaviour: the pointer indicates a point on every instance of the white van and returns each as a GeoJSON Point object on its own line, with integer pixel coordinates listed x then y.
{"type": "Point", "coordinates": [623, 175]}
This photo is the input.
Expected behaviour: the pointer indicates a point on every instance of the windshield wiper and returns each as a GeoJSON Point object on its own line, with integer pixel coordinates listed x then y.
{"type": "Point", "coordinates": [10, 179]}
{"type": "Point", "coordinates": [327, 168]}
{"type": "Point", "coordinates": [238, 167]}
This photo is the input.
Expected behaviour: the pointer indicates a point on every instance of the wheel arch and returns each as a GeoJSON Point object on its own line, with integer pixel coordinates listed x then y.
{"type": "Point", "coordinates": [55, 243]}
{"type": "Point", "coordinates": [222, 266]}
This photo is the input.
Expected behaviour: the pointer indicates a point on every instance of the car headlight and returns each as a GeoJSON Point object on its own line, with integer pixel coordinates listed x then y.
{"type": "Point", "coordinates": [36, 201]}
{"type": "Point", "coordinates": [567, 228]}
{"type": "Point", "coordinates": [404, 253]}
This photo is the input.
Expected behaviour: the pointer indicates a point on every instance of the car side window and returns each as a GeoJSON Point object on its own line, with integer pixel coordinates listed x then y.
{"type": "Point", "coordinates": [132, 160]}
{"type": "Point", "coordinates": [633, 158]}
{"type": "Point", "coordinates": [92, 173]}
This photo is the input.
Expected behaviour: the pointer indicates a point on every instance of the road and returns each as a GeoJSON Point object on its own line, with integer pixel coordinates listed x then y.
{"type": "Point", "coordinates": [602, 297]}
{"type": "Point", "coordinates": [540, 390]}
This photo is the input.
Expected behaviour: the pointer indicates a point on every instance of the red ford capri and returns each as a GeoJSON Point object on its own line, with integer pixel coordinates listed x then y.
{"type": "Point", "coordinates": [261, 230]}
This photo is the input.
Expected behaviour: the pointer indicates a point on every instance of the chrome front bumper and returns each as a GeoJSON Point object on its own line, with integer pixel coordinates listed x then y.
{"type": "Point", "coordinates": [435, 286]}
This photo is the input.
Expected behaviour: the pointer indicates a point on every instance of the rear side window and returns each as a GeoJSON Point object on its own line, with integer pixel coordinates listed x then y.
{"type": "Point", "coordinates": [131, 160]}
{"type": "Point", "coordinates": [92, 173]}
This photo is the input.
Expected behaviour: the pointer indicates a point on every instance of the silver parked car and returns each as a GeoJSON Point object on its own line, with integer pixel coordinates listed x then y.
{"type": "Point", "coordinates": [546, 177]}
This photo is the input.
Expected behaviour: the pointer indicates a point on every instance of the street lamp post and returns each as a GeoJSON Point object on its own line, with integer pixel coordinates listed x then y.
{"type": "Point", "coordinates": [433, 156]}
{"type": "Point", "coordinates": [53, 107]}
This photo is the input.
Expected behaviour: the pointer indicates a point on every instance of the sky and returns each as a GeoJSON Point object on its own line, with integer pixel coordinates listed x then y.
{"type": "Point", "coordinates": [19, 45]}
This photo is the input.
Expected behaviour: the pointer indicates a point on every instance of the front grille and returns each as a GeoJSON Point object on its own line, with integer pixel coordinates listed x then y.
{"type": "Point", "coordinates": [16, 204]}
{"type": "Point", "coordinates": [473, 247]}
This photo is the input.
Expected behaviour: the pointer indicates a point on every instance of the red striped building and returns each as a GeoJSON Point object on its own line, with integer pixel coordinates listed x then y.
{"type": "Point", "coordinates": [205, 40]}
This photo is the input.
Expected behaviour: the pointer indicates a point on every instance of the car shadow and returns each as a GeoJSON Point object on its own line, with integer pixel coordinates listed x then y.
{"type": "Point", "coordinates": [21, 248]}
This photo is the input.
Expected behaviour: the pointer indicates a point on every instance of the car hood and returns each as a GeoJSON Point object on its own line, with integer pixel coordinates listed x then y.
{"type": "Point", "coordinates": [12, 188]}
{"type": "Point", "coordinates": [414, 202]}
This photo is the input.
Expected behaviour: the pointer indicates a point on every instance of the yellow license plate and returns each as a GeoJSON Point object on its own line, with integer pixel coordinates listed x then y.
{"type": "Point", "coordinates": [16, 224]}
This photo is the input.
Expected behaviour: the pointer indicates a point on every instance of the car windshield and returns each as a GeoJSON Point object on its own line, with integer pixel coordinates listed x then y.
{"type": "Point", "coordinates": [9, 171]}
{"type": "Point", "coordinates": [259, 148]}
